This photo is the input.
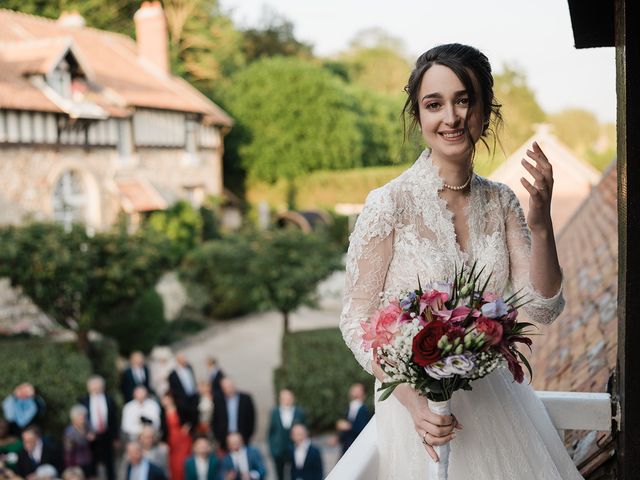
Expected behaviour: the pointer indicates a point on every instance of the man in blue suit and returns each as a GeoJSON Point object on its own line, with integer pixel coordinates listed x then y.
{"type": "Point", "coordinates": [286, 414]}
{"type": "Point", "coordinates": [203, 463]}
{"type": "Point", "coordinates": [242, 462]}
{"type": "Point", "coordinates": [307, 461]}
{"type": "Point", "coordinates": [357, 416]}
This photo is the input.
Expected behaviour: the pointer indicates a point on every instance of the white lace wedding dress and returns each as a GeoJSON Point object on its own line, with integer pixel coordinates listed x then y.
{"type": "Point", "coordinates": [406, 230]}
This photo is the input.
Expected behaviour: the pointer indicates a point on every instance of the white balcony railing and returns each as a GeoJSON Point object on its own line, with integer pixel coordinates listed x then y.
{"type": "Point", "coordinates": [568, 411]}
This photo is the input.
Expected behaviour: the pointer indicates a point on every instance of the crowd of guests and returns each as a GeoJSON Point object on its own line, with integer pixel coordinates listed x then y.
{"type": "Point", "coordinates": [177, 429]}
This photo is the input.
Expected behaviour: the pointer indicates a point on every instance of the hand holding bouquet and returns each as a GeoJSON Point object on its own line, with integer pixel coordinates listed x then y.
{"type": "Point", "coordinates": [441, 338]}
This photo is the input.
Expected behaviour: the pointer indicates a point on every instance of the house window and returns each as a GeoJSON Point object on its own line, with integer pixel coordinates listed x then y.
{"type": "Point", "coordinates": [191, 141]}
{"type": "Point", "coordinates": [125, 142]}
{"type": "Point", "coordinates": [69, 199]}
{"type": "Point", "coordinates": [60, 79]}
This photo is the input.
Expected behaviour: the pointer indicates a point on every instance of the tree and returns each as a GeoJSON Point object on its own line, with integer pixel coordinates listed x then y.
{"type": "Point", "coordinates": [274, 37]}
{"type": "Point", "coordinates": [218, 272]}
{"type": "Point", "coordinates": [577, 128]}
{"type": "Point", "coordinates": [376, 61]}
{"type": "Point", "coordinates": [76, 278]}
{"type": "Point", "coordinates": [297, 117]}
{"type": "Point", "coordinates": [205, 46]}
{"type": "Point", "coordinates": [380, 121]}
{"type": "Point", "coordinates": [181, 224]}
{"type": "Point", "coordinates": [287, 266]}
{"type": "Point", "coordinates": [520, 108]}
{"type": "Point", "coordinates": [114, 15]}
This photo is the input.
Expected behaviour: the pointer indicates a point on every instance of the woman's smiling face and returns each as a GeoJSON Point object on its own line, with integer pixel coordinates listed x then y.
{"type": "Point", "coordinates": [445, 107]}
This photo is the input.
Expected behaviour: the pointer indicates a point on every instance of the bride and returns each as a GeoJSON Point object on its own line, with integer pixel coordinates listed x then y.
{"type": "Point", "coordinates": [435, 216]}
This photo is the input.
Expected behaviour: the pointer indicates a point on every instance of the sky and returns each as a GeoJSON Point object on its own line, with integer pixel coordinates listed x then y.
{"type": "Point", "coordinates": [535, 36]}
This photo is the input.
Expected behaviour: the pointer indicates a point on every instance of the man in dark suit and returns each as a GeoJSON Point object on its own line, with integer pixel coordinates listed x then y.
{"type": "Point", "coordinates": [233, 411]}
{"type": "Point", "coordinates": [242, 462]}
{"type": "Point", "coordinates": [203, 464]}
{"type": "Point", "coordinates": [135, 374]}
{"type": "Point", "coordinates": [36, 451]}
{"type": "Point", "coordinates": [103, 422]}
{"type": "Point", "coordinates": [306, 459]}
{"type": "Point", "coordinates": [286, 414]}
{"type": "Point", "coordinates": [138, 467]}
{"type": "Point", "coordinates": [215, 376]}
{"type": "Point", "coordinates": [357, 416]}
{"type": "Point", "coordinates": [184, 389]}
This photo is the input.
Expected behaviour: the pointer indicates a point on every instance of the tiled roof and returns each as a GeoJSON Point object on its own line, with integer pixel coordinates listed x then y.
{"type": "Point", "coordinates": [578, 351]}
{"type": "Point", "coordinates": [110, 60]}
{"type": "Point", "coordinates": [138, 195]}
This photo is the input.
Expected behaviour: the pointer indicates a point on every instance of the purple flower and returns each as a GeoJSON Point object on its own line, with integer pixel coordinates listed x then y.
{"type": "Point", "coordinates": [438, 370]}
{"type": "Point", "coordinates": [407, 301]}
{"type": "Point", "coordinates": [495, 309]}
{"type": "Point", "coordinates": [459, 364]}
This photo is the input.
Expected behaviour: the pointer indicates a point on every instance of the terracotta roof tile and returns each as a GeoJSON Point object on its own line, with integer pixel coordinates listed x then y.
{"type": "Point", "coordinates": [139, 195]}
{"type": "Point", "coordinates": [110, 58]}
{"type": "Point", "coordinates": [578, 351]}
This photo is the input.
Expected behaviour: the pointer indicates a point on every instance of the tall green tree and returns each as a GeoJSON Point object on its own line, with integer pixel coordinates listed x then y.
{"type": "Point", "coordinates": [520, 108]}
{"type": "Point", "coordinates": [375, 60]}
{"type": "Point", "coordinates": [380, 121]}
{"type": "Point", "coordinates": [274, 36]}
{"type": "Point", "coordinates": [205, 46]}
{"type": "Point", "coordinates": [75, 278]}
{"type": "Point", "coordinates": [577, 128]}
{"type": "Point", "coordinates": [297, 117]}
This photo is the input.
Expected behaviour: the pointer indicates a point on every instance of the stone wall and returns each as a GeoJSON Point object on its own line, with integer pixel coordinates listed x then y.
{"type": "Point", "coordinates": [28, 175]}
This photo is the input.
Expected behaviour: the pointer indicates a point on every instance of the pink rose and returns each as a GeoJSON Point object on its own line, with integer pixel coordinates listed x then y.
{"type": "Point", "coordinates": [382, 327]}
{"type": "Point", "coordinates": [492, 330]}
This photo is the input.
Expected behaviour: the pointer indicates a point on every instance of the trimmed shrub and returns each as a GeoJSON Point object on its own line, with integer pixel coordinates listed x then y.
{"type": "Point", "coordinates": [103, 355]}
{"type": "Point", "coordinates": [218, 271]}
{"type": "Point", "coordinates": [319, 368]}
{"type": "Point", "coordinates": [138, 326]}
{"type": "Point", "coordinates": [57, 370]}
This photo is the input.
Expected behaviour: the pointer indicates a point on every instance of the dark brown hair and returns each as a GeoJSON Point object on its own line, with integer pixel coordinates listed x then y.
{"type": "Point", "coordinates": [462, 60]}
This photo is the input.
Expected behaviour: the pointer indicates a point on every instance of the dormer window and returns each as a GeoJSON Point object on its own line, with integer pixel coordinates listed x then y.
{"type": "Point", "coordinates": [67, 78]}
{"type": "Point", "coordinates": [60, 79]}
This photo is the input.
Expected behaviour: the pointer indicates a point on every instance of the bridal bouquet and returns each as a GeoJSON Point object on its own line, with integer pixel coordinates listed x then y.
{"type": "Point", "coordinates": [441, 338]}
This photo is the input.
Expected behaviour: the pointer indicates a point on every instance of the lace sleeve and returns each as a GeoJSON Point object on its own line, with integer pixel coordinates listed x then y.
{"type": "Point", "coordinates": [368, 257]}
{"type": "Point", "coordinates": [539, 309]}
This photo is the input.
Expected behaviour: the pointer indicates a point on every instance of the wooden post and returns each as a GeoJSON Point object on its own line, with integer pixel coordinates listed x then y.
{"type": "Point", "coordinates": [627, 41]}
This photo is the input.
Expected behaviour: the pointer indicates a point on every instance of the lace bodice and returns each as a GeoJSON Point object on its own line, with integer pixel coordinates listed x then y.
{"type": "Point", "coordinates": [406, 230]}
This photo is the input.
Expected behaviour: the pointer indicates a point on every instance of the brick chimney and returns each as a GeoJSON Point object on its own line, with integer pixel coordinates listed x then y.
{"type": "Point", "coordinates": [151, 34]}
{"type": "Point", "coordinates": [71, 20]}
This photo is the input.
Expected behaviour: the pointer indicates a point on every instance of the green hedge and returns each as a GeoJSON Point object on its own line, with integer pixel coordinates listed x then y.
{"type": "Point", "coordinates": [319, 368]}
{"type": "Point", "coordinates": [57, 370]}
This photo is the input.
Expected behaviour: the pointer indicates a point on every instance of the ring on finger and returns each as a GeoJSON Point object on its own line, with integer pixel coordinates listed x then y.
{"type": "Point", "coordinates": [424, 441]}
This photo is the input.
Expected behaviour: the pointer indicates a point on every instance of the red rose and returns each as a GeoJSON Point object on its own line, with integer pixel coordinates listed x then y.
{"type": "Point", "coordinates": [492, 330]}
{"type": "Point", "coordinates": [425, 343]}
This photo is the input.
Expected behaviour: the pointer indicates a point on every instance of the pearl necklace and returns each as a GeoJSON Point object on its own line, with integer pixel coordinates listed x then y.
{"type": "Point", "coordinates": [458, 187]}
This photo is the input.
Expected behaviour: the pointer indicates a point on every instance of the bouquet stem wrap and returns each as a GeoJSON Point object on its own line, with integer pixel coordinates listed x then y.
{"type": "Point", "coordinates": [440, 470]}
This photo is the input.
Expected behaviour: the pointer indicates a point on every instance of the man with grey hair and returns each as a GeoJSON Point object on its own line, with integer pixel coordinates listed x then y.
{"type": "Point", "coordinates": [103, 422]}
{"type": "Point", "coordinates": [138, 467]}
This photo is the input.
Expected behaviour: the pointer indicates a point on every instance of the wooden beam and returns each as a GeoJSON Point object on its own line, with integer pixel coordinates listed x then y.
{"type": "Point", "coordinates": [628, 119]}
